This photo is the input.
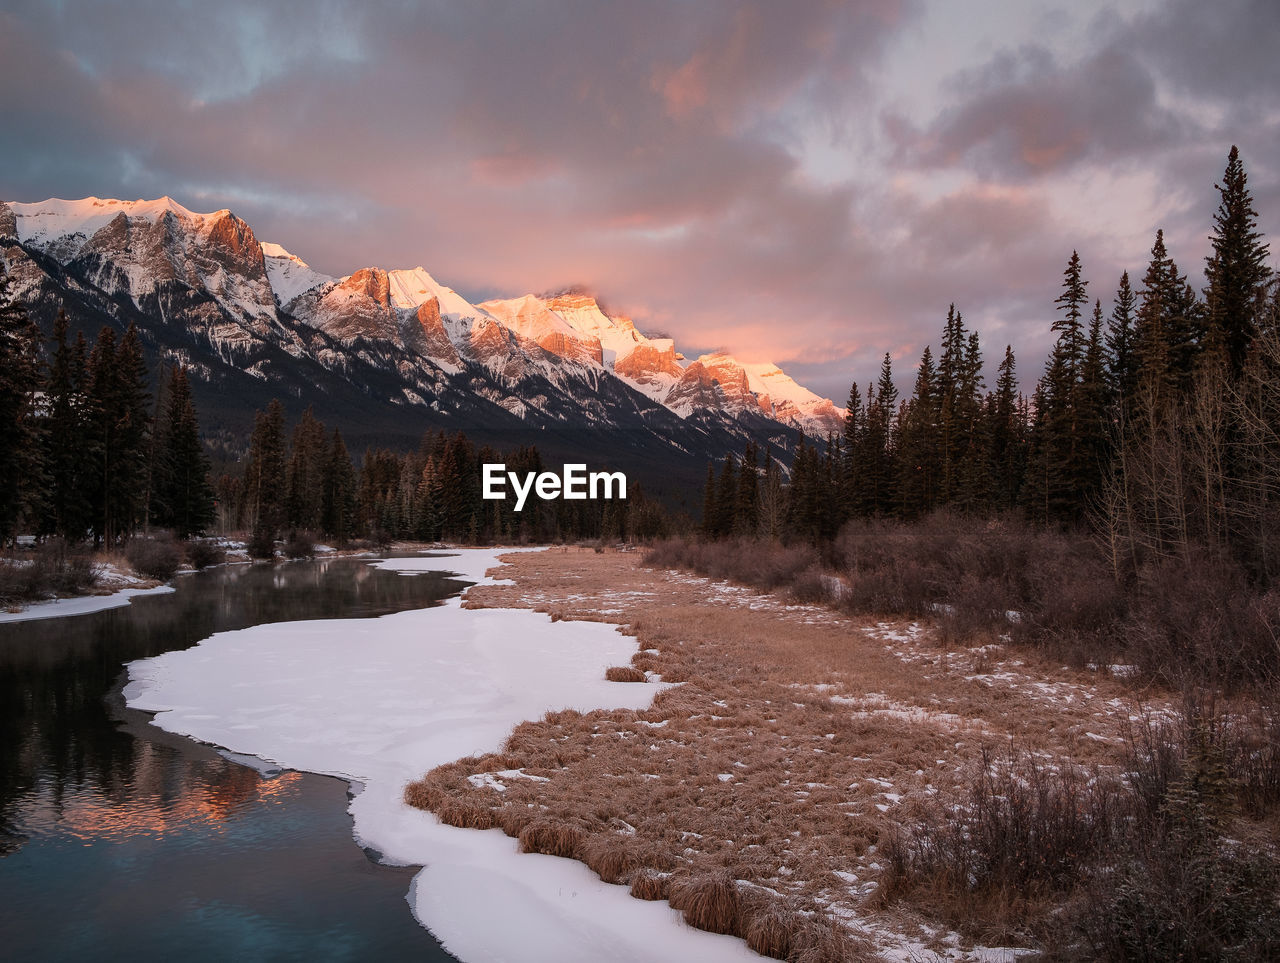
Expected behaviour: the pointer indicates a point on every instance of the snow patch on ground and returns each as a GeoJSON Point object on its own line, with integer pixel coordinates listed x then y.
{"type": "Point", "coordinates": [381, 701]}
{"type": "Point", "coordinates": [80, 605]}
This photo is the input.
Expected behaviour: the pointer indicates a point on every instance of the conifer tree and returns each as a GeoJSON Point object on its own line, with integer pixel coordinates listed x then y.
{"type": "Point", "coordinates": [67, 507]}
{"type": "Point", "coordinates": [746, 513]}
{"type": "Point", "coordinates": [726, 498]}
{"type": "Point", "coordinates": [710, 509]}
{"type": "Point", "coordinates": [919, 443]}
{"type": "Point", "coordinates": [264, 478]}
{"type": "Point", "coordinates": [19, 433]}
{"type": "Point", "coordinates": [305, 474]}
{"type": "Point", "coordinates": [850, 448]}
{"type": "Point", "coordinates": [1121, 351]}
{"type": "Point", "coordinates": [1006, 434]}
{"type": "Point", "coordinates": [339, 503]}
{"type": "Point", "coordinates": [878, 490]}
{"type": "Point", "coordinates": [183, 490]}
{"type": "Point", "coordinates": [118, 434]}
{"type": "Point", "coordinates": [1236, 270]}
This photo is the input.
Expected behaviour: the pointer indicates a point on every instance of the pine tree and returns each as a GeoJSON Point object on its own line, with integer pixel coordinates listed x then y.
{"type": "Point", "coordinates": [1121, 354]}
{"type": "Point", "coordinates": [710, 509]}
{"type": "Point", "coordinates": [850, 448]}
{"type": "Point", "coordinates": [1006, 434]}
{"type": "Point", "coordinates": [338, 508]}
{"type": "Point", "coordinates": [183, 488]}
{"type": "Point", "coordinates": [68, 508]}
{"type": "Point", "coordinates": [879, 489]}
{"type": "Point", "coordinates": [726, 498]}
{"type": "Point", "coordinates": [19, 433]}
{"type": "Point", "coordinates": [919, 444]}
{"type": "Point", "coordinates": [1236, 270]}
{"type": "Point", "coordinates": [1070, 326]}
{"type": "Point", "coordinates": [118, 427]}
{"type": "Point", "coordinates": [305, 475]}
{"type": "Point", "coordinates": [747, 511]}
{"type": "Point", "coordinates": [264, 477]}
{"type": "Point", "coordinates": [1094, 429]}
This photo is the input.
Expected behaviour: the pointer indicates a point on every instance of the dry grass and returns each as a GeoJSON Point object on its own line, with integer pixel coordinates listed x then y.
{"type": "Point", "coordinates": [801, 739]}
{"type": "Point", "coordinates": [624, 673]}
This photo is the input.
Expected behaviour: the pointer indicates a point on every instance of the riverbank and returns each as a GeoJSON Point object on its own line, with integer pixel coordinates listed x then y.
{"type": "Point", "coordinates": [380, 701]}
{"type": "Point", "coordinates": [799, 740]}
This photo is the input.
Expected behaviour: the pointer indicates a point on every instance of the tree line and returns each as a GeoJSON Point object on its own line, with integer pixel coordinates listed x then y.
{"type": "Point", "coordinates": [86, 452]}
{"type": "Point", "coordinates": [309, 484]}
{"type": "Point", "coordinates": [1156, 423]}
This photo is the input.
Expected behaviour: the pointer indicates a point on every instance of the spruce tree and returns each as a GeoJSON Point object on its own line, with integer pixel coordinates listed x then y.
{"type": "Point", "coordinates": [1122, 360]}
{"type": "Point", "coordinates": [726, 498]}
{"type": "Point", "coordinates": [1006, 434]}
{"type": "Point", "coordinates": [68, 508]}
{"type": "Point", "coordinates": [879, 488]}
{"type": "Point", "coordinates": [339, 502]}
{"type": "Point", "coordinates": [264, 478]}
{"type": "Point", "coordinates": [746, 512]}
{"type": "Point", "coordinates": [710, 509]}
{"type": "Point", "coordinates": [919, 443]}
{"type": "Point", "coordinates": [305, 475]}
{"type": "Point", "coordinates": [1236, 270]}
{"type": "Point", "coordinates": [183, 488]}
{"type": "Point", "coordinates": [20, 378]}
{"type": "Point", "coordinates": [117, 442]}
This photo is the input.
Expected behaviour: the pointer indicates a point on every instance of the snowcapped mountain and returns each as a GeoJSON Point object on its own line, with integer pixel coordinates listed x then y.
{"type": "Point", "coordinates": [394, 351]}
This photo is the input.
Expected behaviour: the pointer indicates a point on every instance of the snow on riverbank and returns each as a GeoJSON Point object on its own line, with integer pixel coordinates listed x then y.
{"type": "Point", "coordinates": [80, 604]}
{"type": "Point", "coordinates": [381, 701]}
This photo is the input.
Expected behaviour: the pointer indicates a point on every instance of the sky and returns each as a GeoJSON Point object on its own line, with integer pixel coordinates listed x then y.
{"type": "Point", "coordinates": [809, 183]}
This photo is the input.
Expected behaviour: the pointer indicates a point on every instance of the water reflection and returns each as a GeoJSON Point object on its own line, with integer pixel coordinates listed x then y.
{"type": "Point", "coordinates": [102, 814]}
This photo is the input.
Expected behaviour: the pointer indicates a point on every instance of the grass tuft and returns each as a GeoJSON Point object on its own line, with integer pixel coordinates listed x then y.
{"type": "Point", "coordinates": [623, 673]}
{"type": "Point", "coordinates": [553, 839]}
{"type": "Point", "coordinates": [709, 903]}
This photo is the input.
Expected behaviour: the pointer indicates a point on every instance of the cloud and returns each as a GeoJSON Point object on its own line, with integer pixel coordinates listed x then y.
{"type": "Point", "coordinates": [659, 151]}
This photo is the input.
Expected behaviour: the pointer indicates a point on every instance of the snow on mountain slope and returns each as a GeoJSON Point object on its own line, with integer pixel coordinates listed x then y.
{"type": "Point", "coordinates": [531, 318]}
{"type": "Point", "coordinates": [792, 401]}
{"type": "Point", "coordinates": [289, 274]}
{"type": "Point", "coordinates": [56, 225]}
{"type": "Point", "coordinates": [208, 272]}
{"type": "Point", "coordinates": [139, 247]}
{"type": "Point", "coordinates": [618, 335]}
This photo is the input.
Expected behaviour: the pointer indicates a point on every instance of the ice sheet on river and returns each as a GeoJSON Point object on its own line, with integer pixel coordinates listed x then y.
{"type": "Point", "coordinates": [381, 701]}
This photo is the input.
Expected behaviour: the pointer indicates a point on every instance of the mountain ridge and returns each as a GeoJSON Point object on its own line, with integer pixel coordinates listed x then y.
{"type": "Point", "coordinates": [396, 345]}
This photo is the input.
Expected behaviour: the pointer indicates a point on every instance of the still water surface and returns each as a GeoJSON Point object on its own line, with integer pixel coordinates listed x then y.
{"type": "Point", "coordinates": [120, 841]}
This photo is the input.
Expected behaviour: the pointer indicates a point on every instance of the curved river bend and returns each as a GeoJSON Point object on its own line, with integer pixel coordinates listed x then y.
{"type": "Point", "coordinates": [118, 840]}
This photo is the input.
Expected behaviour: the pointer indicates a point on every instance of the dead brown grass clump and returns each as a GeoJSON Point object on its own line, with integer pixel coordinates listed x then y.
{"type": "Point", "coordinates": [553, 839]}
{"type": "Point", "coordinates": [611, 857]}
{"type": "Point", "coordinates": [709, 903]}
{"type": "Point", "coordinates": [649, 884]}
{"type": "Point", "coordinates": [465, 815]}
{"type": "Point", "coordinates": [623, 673]}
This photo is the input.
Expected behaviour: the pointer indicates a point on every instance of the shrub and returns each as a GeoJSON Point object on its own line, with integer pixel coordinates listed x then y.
{"type": "Point", "coordinates": [261, 545]}
{"type": "Point", "coordinates": [156, 558]}
{"type": "Point", "coordinates": [53, 568]}
{"type": "Point", "coordinates": [300, 545]}
{"type": "Point", "coordinates": [1021, 834]}
{"type": "Point", "coordinates": [203, 552]}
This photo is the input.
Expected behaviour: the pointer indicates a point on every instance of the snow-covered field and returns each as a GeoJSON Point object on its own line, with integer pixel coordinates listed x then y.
{"type": "Point", "coordinates": [381, 701]}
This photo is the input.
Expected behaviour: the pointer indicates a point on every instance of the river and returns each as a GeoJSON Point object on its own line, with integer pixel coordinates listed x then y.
{"type": "Point", "coordinates": [118, 840]}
